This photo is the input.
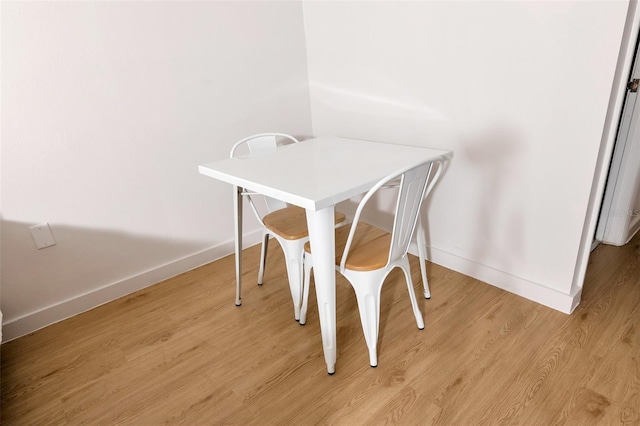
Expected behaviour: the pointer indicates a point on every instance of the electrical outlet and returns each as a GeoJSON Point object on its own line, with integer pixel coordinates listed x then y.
{"type": "Point", "coordinates": [42, 235]}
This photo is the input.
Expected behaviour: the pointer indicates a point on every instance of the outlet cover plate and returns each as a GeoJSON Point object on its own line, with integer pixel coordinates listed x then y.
{"type": "Point", "coordinates": [42, 235]}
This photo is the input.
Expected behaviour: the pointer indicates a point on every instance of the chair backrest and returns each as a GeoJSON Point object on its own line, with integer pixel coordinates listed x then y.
{"type": "Point", "coordinates": [414, 184]}
{"type": "Point", "coordinates": [260, 143]}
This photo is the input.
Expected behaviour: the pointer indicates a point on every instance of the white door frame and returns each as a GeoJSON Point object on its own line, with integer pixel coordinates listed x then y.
{"type": "Point", "coordinates": [616, 101]}
{"type": "Point", "coordinates": [617, 224]}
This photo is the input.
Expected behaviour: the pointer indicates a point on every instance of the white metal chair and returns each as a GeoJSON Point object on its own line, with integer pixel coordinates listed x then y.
{"type": "Point", "coordinates": [365, 254]}
{"type": "Point", "coordinates": [287, 224]}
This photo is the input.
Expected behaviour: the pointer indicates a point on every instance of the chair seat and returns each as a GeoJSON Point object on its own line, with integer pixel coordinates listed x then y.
{"type": "Point", "coordinates": [290, 223]}
{"type": "Point", "coordinates": [369, 249]}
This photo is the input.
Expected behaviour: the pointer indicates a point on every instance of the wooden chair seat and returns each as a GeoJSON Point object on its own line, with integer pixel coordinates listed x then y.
{"type": "Point", "coordinates": [369, 249]}
{"type": "Point", "coordinates": [290, 223]}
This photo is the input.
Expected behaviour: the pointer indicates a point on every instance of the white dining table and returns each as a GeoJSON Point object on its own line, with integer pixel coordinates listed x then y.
{"type": "Point", "coordinates": [316, 174]}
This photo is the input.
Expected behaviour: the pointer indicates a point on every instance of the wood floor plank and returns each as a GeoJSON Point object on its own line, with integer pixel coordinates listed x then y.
{"type": "Point", "coordinates": [587, 407]}
{"type": "Point", "coordinates": [181, 352]}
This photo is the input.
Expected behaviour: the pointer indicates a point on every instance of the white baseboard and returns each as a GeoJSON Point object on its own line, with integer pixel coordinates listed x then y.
{"type": "Point", "coordinates": [83, 302]}
{"type": "Point", "coordinates": [546, 296]}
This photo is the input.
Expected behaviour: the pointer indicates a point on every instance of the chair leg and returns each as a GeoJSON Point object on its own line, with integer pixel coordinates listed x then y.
{"type": "Point", "coordinates": [307, 263]}
{"type": "Point", "coordinates": [263, 257]}
{"type": "Point", "coordinates": [367, 287]}
{"type": "Point", "coordinates": [404, 265]}
{"type": "Point", "coordinates": [422, 254]}
{"type": "Point", "coordinates": [293, 251]}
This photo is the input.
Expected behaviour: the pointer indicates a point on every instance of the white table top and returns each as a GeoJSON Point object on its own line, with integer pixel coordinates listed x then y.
{"type": "Point", "coordinates": [318, 173]}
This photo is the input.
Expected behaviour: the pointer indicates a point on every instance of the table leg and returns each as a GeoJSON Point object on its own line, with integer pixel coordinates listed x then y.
{"type": "Point", "coordinates": [322, 238]}
{"type": "Point", "coordinates": [237, 221]}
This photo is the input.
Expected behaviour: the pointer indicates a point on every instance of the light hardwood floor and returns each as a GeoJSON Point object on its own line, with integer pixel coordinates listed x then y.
{"type": "Point", "coordinates": [181, 352]}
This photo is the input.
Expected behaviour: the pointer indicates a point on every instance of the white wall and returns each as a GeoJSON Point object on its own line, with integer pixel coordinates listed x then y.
{"type": "Point", "coordinates": [107, 109]}
{"type": "Point", "coordinates": [1, 317]}
{"type": "Point", "coordinates": [518, 90]}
